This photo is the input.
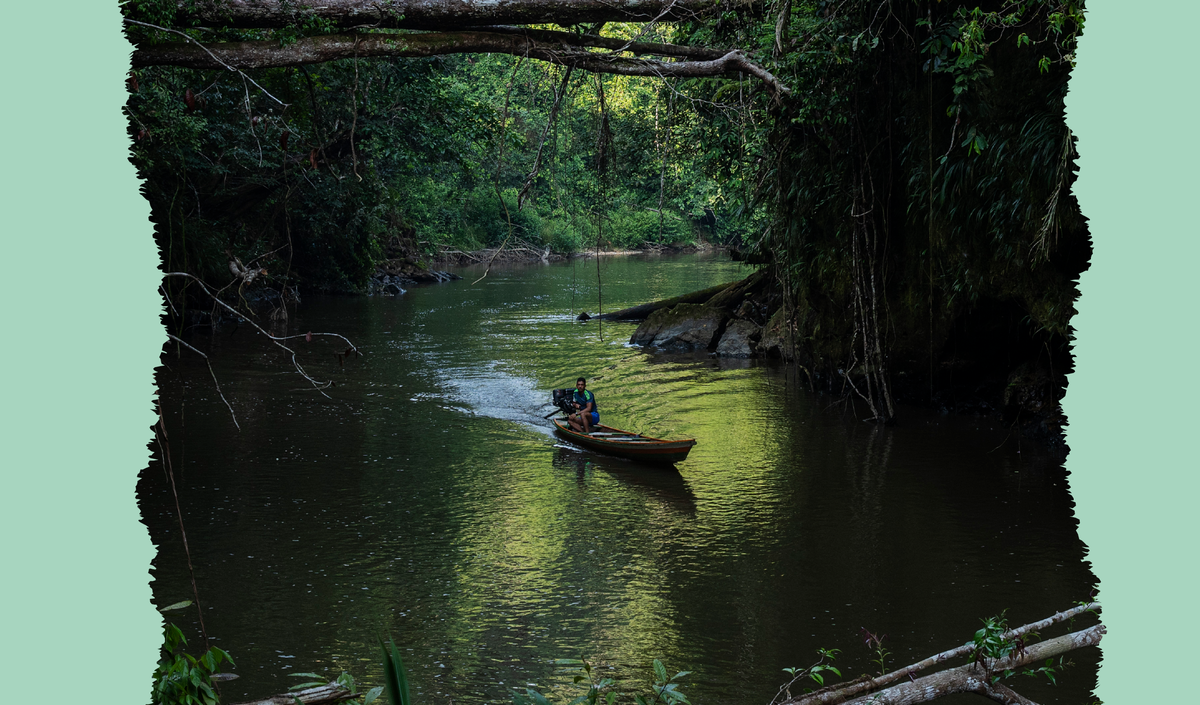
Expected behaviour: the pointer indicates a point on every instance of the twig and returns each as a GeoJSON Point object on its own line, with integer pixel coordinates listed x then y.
{"type": "Point", "coordinates": [161, 437]}
{"type": "Point", "coordinates": [210, 371]}
{"type": "Point", "coordinates": [320, 386]}
{"type": "Point", "coordinates": [168, 298]}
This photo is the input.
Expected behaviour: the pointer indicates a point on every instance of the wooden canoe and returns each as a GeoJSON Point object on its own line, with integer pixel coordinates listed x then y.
{"type": "Point", "coordinates": [626, 444]}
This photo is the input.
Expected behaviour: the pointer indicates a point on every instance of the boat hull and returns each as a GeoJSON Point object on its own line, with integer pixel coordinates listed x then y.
{"type": "Point", "coordinates": [626, 444]}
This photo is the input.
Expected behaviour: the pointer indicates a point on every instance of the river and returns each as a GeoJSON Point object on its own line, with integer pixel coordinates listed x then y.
{"type": "Point", "coordinates": [427, 499]}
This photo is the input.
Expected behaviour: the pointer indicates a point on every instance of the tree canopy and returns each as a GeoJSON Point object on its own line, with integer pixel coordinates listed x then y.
{"type": "Point", "coordinates": [905, 161]}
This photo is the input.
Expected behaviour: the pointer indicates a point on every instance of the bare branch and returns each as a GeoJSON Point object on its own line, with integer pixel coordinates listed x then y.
{"type": "Point", "coordinates": [214, 376]}
{"type": "Point", "coordinates": [319, 386]}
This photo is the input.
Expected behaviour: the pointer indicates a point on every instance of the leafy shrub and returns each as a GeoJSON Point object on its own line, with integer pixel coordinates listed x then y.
{"type": "Point", "coordinates": [182, 679]}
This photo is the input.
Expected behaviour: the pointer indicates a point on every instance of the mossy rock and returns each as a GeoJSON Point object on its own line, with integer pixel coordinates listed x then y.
{"type": "Point", "coordinates": [681, 328]}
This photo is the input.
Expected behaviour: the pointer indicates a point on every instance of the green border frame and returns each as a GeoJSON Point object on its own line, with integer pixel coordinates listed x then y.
{"type": "Point", "coordinates": [81, 340]}
{"type": "Point", "coordinates": [1132, 104]}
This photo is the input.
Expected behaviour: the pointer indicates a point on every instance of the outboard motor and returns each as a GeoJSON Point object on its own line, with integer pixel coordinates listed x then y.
{"type": "Point", "coordinates": [562, 399]}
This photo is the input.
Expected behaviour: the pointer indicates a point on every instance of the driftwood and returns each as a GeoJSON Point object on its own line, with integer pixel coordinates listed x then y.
{"type": "Point", "coordinates": [974, 677]}
{"type": "Point", "coordinates": [640, 313]}
{"type": "Point", "coordinates": [328, 693]}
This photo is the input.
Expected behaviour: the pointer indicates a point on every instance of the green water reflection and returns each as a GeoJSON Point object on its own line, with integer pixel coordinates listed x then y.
{"type": "Point", "coordinates": [429, 500]}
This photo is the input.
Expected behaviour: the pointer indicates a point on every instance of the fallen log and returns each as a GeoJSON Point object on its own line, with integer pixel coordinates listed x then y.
{"type": "Point", "coordinates": [975, 677]}
{"type": "Point", "coordinates": [841, 692]}
{"type": "Point", "coordinates": [640, 313]}
{"type": "Point", "coordinates": [318, 695]}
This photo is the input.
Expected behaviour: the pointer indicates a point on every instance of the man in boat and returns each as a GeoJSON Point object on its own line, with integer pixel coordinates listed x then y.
{"type": "Point", "coordinates": [587, 414]}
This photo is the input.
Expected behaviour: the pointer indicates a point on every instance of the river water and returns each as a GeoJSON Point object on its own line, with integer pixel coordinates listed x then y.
{"type": "Point", "coordinates": [428, 500]}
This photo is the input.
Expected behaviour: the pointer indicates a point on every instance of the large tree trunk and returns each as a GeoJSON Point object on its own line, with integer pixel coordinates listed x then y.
{"type": "Point", "coordinates": [438, 14]}
{"type": "Point", "coordinates": [312, 50]}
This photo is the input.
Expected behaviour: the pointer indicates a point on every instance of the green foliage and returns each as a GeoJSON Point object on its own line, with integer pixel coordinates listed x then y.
{"type": "Point", "coordinates": [924, 146]}
{"type": "Point", "coordinates": [990, 642]}
{"type": "Point", "coordinates": [814, 671]}
{"type": "Point", "coordinates": [990, 645]}
{"type": "Point", "coordinates": [358, 156]}
{"type": "Point", "coordinates": [395, 676]}
{"type": "Point", "coordinates": [182, 679]}
{"type": "Point", "coordinates": [664, 689]}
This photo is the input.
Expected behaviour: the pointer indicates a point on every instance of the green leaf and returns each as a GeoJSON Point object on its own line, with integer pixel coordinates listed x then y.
{"type": "Point", "coordinates": [395, 677]}
{"type": "Point", "coordinates": [222, 655]}
{"type": "Point", "coordinates": [660, 671]}
{"type": "Point", "coordinates": [305, 675]}
{"type": "Point", "coordinates": [310, 684]}
{"type": "Point", "coordinates": [176, 606]}
{"type": "Point", "coordinates": [372, 694]}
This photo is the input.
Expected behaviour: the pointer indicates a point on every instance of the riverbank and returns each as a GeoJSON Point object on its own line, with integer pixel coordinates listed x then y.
{"type": "Point", "coordinates": [752, 318]}
{"type": "Point", "coordinates": [523, 252]}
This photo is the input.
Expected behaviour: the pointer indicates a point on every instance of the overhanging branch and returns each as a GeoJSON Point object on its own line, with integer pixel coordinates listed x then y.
{"type": "Point", "coordinates": [312, 50]}
{"type": "Point", "coordinates": [437, 14]}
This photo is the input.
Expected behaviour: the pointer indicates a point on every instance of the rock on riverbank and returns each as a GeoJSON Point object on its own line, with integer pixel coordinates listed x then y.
{"type": "Point", "coordinates": [747, 319]}
{"type": "Point", "coordinates": [728, 321]}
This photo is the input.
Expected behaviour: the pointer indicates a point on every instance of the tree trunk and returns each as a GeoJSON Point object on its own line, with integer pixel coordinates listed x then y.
{"type": "Point", "coordinates": [437, 14]}
{"type": "Point", "coordinates": [313, 50]}
{"type": "Point", "coordinates": [640, 313]}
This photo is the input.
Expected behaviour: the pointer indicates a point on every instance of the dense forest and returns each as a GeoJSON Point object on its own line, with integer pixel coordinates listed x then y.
{"type": "Point", "coordinates": [900, 170]}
